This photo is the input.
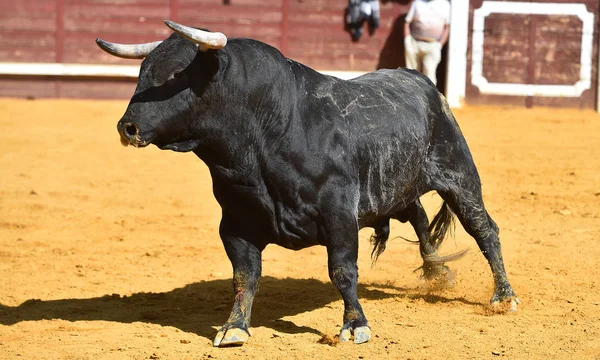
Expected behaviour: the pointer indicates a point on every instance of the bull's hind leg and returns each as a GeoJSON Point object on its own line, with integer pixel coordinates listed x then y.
{"type": "Point", "coordinates": [246, 260]}
{"type": "Point", "coordinates": [451, 171]}
{"type": "Point", "coordinates": [467, 203]}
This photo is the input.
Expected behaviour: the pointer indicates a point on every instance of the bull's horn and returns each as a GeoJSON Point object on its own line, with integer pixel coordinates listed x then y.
{"type": "Point", "coordinates": [133, 51]}
{"type": "Point", "coordinates": [206, 39]}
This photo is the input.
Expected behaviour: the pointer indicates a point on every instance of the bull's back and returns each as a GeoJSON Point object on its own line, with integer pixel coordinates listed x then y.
{"type": "Point", "coordinates": [398, 100]}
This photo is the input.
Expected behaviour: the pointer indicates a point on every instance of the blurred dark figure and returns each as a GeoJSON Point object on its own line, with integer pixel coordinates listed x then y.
{"type": "Point", "coordinates": [360, 11]}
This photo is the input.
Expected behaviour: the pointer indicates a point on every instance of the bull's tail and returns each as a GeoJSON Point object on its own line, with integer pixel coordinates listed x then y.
{"type": "Point", "coordinates": [443, 224]}
{"type": "Point", "coordinates": [379, 239]}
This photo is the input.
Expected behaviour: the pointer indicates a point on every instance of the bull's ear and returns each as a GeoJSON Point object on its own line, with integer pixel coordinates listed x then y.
{"type": "Point", "coordinates": [205, 39]}
{"type": "Point", "coordinates": [127, 51]}
{"type": "Point", "coordinates": [208, 66]}
{"type": "Point", "coordinates": [218, 65]}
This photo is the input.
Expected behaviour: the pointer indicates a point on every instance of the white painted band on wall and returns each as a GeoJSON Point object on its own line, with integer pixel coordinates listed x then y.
{"type": "Point", "coordinates": [585, 72]}
{"type": "Point", "coordinates": [95, 70]}
{"type": "Point", "coordinates": [458, 41]}
{"type": "Point", "coordinates": [56, 69]}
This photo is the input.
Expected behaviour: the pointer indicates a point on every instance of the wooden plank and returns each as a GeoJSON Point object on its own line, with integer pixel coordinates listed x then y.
{"type": "Point", "coordinates": [531, 54]}
{"type": "Point", "coordinates": [268, 33]}
{"type": "Point", "coordinates": [97, 89]}
{"type": "Point", "coordinates": [31, 7]}
{"type": "Point", "coordinates": [27, 31]}
{"type": "Point", "coordinates": [323, 47]}
{"type": "Point", "coordinates": [109, 3]}
{"type": "Point", "coordinates": [511, 24]}
{"type": "Point", "coordinates": [559, 24]}
{"type": "Point", "coordinates": [335, 56]}
{"type": "Point", "coordinates": [284, 28]}
{"type": "Point", "coordinates": [333, 32]}
{"type": "Point", "coordinates": [132, 25]}
{"type": "Point", "coordinates": [505, 50]}
{"type": "Point", "coordinates": [506, 47]}
{"type": "Point", "coordinates": [94, 55]}
{"type": "Point", "coordinates": [585, 101]}
{"type": "Point", "coordinates": [22, 54]}
{"type": "Point", "coordinates": [60, 30]}
{"type": "Point", "coordinates": [235, 14]}
{"type": "Point", "coordinates": [151, 12]}
{"type": "Point", "coordinates": [320, 5]}
{"type": "Point", "coordinates": [87, 38]}
{"type": "Point", "coordinates": [41, 40]}
{"type": "Point", "coordinates": [237, 29]}
{"type": "Point", "coordinates": [556, 73]}
{"type": "Point", "coordinates": [325, 17]}
{"type": "Point", "coordinates": [26, 88]}
{"type": "Point", "coordinates": [28, 22]}
{"type": "Point", "coordinates": [557, 51]}
{"type": "Point", "coordinates": [501, 73]}
{"type": "Point", "coordinates": [248, 3]}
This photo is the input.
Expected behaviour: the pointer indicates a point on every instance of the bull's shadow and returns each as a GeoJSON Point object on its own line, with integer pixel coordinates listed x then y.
{"type": "Point", "coordinates": [198, 307]}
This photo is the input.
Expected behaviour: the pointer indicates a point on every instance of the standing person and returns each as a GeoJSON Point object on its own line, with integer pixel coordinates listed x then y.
{"type": "Point", "coordinates": [425, 33]}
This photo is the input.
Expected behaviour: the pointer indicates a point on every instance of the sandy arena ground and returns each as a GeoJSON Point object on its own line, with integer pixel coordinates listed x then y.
{"type": "Point", "coordinates": [109, 252]}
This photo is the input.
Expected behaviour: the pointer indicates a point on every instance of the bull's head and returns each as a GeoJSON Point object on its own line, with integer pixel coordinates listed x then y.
{"type": "Point", "coordinates": [174, 77]}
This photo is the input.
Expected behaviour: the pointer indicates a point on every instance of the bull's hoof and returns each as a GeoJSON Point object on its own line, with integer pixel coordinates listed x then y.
{"type": "Point", "coordinates": [362, 334]}
{"type": "Point", "coordinates": [504, 305]}
{"type": "Point", "coordinates": [438, 276]}
{"type": "Point", "coordinates": [231, 337]}
{"type": "Point", "coordinates": [345, 335]}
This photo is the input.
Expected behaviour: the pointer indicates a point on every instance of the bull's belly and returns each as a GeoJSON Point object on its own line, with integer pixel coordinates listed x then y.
{"type": "Point", "coordinates": [298, 238]}
{"type": "Point", "coordinates": [376, 203]}
{"type": "Point", "coordinates": [296, 243]}
{"type": "Point", "coordinates": [295, 229]}
{"type": "Point", "coordinates": [368, 216]}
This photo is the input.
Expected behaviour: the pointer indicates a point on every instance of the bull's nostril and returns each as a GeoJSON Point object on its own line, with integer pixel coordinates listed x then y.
{"type": "Point", "coordinates": [131, 130]}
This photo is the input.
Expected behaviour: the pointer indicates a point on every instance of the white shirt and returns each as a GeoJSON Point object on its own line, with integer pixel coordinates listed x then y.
{"type": "Point", "coordinates": [428, 17]}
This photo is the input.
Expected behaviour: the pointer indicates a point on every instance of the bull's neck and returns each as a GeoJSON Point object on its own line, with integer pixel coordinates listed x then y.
{"type": "Point", "coordinates": [258, 92]}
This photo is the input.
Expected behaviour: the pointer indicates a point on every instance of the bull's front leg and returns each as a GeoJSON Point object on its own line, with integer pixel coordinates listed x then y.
{"type": "Point", "coordinates": [342, 253]}
{"type": "Point", "coordinates": [246, 260]}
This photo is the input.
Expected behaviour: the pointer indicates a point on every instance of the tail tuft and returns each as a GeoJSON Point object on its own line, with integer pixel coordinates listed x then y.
{"type": "Point", "coordinates": [379, 240]}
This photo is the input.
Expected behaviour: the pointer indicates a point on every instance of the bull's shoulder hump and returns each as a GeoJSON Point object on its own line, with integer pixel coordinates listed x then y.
{"type": "Point", "coordinates": [394, 80]}
{"type": "Point", "coordinates": [400, 78]}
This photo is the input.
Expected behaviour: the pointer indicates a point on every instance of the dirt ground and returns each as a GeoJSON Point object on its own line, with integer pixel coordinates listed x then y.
{"type": "Point", "coordinates": [109, 252]}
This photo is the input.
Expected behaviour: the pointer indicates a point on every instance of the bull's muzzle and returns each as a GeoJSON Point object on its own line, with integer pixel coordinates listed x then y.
{"type": "Point", "coordinates": [130, 134]}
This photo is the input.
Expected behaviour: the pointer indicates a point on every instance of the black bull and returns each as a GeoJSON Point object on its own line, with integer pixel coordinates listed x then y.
{"type": "Point", "coordinates": [300, 159]}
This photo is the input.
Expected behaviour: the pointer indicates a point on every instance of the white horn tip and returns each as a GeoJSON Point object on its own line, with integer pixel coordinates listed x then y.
{"type": "Point", "coordinates": [205, 39]}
